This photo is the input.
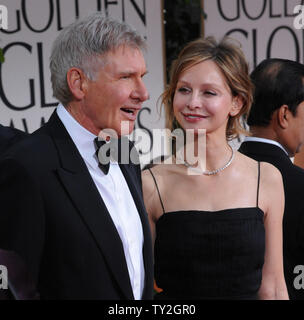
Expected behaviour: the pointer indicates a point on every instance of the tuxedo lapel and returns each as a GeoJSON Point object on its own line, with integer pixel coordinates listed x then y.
{"type": "Point", "coordinates": [78, 183]}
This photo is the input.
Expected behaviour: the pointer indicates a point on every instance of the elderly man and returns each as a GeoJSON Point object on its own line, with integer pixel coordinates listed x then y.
{"type": "Point", "coordinates": [81, 227]}
{"type": "Point", "coordinates": [276, 122]}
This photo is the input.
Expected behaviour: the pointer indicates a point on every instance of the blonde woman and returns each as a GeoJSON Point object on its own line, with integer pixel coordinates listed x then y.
{"type": "Point", "coordinates": [218, 234]}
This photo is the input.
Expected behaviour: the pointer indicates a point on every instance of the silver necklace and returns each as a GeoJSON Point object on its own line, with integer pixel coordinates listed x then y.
{"type": "Point", "coordinates": [210, 173]}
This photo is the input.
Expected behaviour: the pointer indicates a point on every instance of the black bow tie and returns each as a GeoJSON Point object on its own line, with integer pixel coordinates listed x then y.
{"type": "Point", "coordinates": [103, 162]}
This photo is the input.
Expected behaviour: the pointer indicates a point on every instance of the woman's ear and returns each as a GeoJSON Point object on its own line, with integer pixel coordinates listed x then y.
{"type": "Point", "coordinates": [77, 83]}
{"type": "Point", "coordinates": [237, 104]}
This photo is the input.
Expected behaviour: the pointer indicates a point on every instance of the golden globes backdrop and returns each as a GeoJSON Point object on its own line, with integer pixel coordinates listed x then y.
{"type": "Point", "coordinates": [32, 25]}
{"type": "Point", "coordinates": [264, 28]}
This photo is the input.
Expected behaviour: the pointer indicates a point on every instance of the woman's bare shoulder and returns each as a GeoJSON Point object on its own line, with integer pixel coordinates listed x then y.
{"type": "Point", "coordinates": [270, 173]}
{"type": "Point", "coordinates": [156, 172]}
{"type": "Point", "coordinates": [161, 170]}
{"type": "Point", "coordinates": [267, 171]}
{"type": "Point", "coordinates": [247, 165]}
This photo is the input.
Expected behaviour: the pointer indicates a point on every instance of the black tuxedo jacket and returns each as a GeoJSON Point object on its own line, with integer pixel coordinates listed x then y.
{"type": "Point", "coordinates": [8, 137]}
{"type": "Point", "coordinates": [293, 220]}
{"type": "Point", "coordinates": [52, 215]}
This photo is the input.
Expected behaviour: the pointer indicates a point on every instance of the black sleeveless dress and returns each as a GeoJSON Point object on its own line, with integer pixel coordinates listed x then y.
{"type": "Point", "coordinates": [209, 254]}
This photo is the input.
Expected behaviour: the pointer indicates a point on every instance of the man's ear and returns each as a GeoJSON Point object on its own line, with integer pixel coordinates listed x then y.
{"type": "Point", "coordinates": [283, 115]}
{"type": "Point", "coordinates": [237, 105]}
{"type": "Point", "coordinates": [77, 82]}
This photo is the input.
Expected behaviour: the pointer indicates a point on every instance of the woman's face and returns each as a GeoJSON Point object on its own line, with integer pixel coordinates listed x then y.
{"type": "Point", "coordinates": [202, 98]}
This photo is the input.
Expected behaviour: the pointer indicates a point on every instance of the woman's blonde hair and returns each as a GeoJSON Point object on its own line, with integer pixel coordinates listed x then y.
{"type": "Point", "coordinates": [230, 60]}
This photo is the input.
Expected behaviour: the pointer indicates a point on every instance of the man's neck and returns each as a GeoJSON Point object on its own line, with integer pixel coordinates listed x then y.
{"type": "Point", "coordinates": [270, 134]}
{"type": "Point", "coordinates": [264, 132]}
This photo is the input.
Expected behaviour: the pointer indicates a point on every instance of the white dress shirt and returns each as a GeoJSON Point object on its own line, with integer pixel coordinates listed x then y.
{"type": "Point", "coordinates": [264, 140]}
{"type": "Point", "coordinates": [116, 195]}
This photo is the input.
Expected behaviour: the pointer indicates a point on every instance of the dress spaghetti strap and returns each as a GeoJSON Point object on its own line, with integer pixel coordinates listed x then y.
{"type": "Point", "coordinates": [161, 202]}
{"type": "Point", "coordinates": [258, 187]}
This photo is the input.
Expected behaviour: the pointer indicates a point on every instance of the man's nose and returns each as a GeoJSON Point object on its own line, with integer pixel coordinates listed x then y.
{"type": "Point", "coordinates": [141, 93]}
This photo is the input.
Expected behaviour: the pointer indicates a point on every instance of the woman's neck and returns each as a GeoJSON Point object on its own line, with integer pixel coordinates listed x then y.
{"type": "Point", "coordinates": [217, 154]}
{"type": "Point", "coordinates": [210, 151]}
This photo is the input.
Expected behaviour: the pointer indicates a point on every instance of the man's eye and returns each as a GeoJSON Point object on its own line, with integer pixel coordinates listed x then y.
{"type": "Point", "coordinates": [125, 76]}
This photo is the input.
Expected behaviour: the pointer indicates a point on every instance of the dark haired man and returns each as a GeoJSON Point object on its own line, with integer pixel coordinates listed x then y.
{"type": "Point", "coordinates": [276, 121]}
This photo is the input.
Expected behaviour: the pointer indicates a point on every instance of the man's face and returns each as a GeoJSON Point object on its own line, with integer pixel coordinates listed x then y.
{"type": "Point", "coordinates": [117, 93]}
{"type": "Point", "coordinates": [295, 139]}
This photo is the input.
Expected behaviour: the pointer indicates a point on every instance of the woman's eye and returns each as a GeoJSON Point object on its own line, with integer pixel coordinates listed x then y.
{"type": "Point", "coordinates": [183, 90]}
{"type": "Point", "coordinates": [210, 93]}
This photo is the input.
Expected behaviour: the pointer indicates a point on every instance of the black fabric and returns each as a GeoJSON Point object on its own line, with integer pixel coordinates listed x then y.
{"type": "Point", "coordinates": [160, 199]}
{"type": "Point", "coordinates": [20, 283]}
{"type": "Point", "coordinates": [258, 188]}
{"type": "Point", "coordinates": [8, 137]}
{"type": "Point", "coordinates": [103, 166]}
{"type": "Point", "coordinates": [293, 220]}
{"type": "Point", "coordinates": [210, 255]}
{"type": "Point", "coordinates": [60, 226]}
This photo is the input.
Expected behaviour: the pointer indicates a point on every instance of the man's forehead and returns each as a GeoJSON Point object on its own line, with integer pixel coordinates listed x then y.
{"type": "Point", "coordinates": [122, 50]}
{"type": "Point", "coordinates": [128, 58]}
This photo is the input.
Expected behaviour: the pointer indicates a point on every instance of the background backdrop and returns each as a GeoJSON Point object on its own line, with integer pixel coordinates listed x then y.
{"type": "Point", "coordinates": [264, 28]}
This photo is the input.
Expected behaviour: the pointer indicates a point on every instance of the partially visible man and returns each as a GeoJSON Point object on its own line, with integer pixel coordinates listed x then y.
{"type": "Point", "coordinates": [8, 137]}
{"type": "Point", "coordinates": [82, 231]}
{"type": "Point", "coordinates": [19, 286]}
{"type": "Point", "coordinates": [276, 122]}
